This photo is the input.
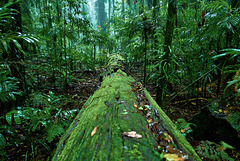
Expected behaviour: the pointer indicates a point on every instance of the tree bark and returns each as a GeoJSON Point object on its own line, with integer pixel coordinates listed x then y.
{"type": "Point", "coordinates": [99, 130]}
{"type": "Point", "coordinates": [162, 84]}
{"type": "Point", "coordinates": [123, 9]}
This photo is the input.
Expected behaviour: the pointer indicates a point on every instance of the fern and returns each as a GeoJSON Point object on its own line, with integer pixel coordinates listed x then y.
{"type": "Point", "coordinates": [182, 124]}
{"type": "Point", "coordinates": [8, 86]}
{"type": "Point", "coordinates": [3, 143]}
{"type": "Point", "coordinates": [234, 120]}
{"type": "Point", "coordinates": [212, 151]}
{"type": "Point", "coordinates": [54, 130]}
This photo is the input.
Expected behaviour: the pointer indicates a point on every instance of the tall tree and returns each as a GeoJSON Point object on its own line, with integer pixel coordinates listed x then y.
{"type": "Point", "coordinates": [162, 84]}
{"type": "Point", "coordinates": [84, 8]}
{"type": "Point", "coordinates": [123, 9]}
{"type": "Point", "coordinates": [101, 14]}
{"type": "Point", "coordinates": [109, 13]}
{"type": "Point", "coordinates": [113, 6]}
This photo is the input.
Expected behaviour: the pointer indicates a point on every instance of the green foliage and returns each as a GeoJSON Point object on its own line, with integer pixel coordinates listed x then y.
{"type": "Point", "coordinates": [2, 147]}
{"type": "Point", "coordinates": [232, 55]}
{"type": "Point", "coordinates": [115, 62]}
{"type": "Point", "coordinates": [234, 120]}
{"type": "Point", "coordinates": [51, 120]}
{"type": "Point", "coordinates": [7, 37]}
{"type": "Point", "coordinates": [212, 151]}
{"type": "Point", "coordinates": [8, 86]}
{"type": "Point", "coordinates": [182, 124]}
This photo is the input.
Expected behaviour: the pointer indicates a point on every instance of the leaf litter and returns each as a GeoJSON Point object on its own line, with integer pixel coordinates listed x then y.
{"type": "Point", "coordinates": [165, 141]}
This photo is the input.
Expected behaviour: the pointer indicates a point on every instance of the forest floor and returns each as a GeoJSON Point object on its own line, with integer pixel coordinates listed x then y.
{"type": "Point", "coordinates": [81, 91]}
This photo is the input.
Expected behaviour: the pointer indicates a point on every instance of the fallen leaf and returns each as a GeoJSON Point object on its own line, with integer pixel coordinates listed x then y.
{"type": "Point", "coordinates": [148, 114]}
{"type": "Point", "coordinates": [225, 112]}
{"type": "Point", "coordinates": [167, 137]}
{"type": "Point", "coordinates": [185, 129]}
{"type": "Point", "coordinates": [150, 121]}
{"type": "Point", "coordinates": [94, 131]}
{"type": "Point", "coordinates": [132, 134]}
{"type": "Point", "coordinates": [193, 103]}
{"type": "Point", "coordinates": [125, 113]}
{"type": "Point", "coordinates": [173, 157]}
{"type": "Point", "coordinates": [135, 105]}
{"type": "Point", "coordinates": [171, 149]}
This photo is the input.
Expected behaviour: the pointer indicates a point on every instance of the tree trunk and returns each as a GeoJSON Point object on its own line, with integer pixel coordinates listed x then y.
{"type": "Point", "coordinates": [123, 9]}
{"type": "Point", "coordinates": [65, 54]}
{"type": "Point", "coordinates": [109, 14]}
{"type": "Point", "coordinates": [162, 84]}
{"type": "Point", "coordinates": [101, 129]}
{"type": "Point", "coordinates": [101, 15]}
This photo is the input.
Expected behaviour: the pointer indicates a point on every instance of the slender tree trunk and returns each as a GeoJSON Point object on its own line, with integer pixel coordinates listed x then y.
{"type": "Point", "coordinates": [109, 14]}
{"type": "Point", "coordinates": [123, 9]}
{"type": "Point", "coordinates": [65, 53]}
{"type": "Point", "coordinates": [156, 9]}
{"type": "Point", "coordinates": [101, 15]}
{"type": "Point", "coordinates": [113, 6]}
{"type": "Point", "coordinates": [83, 7]}
{"type": "Point", "coordinates": [94, 55]}
{"type": "Point", "coordinates": [162, 84]}
{"type": "Point", "coordinates": [145, 55]}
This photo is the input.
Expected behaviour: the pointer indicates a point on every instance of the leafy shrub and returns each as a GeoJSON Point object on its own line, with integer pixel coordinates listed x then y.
{"type": "Point", "coordinates": [51, 120]}
{"type": "Point", "coordinates": [234, 120]}
{"type": "Point", "coordinates": [183, 126]}
{"type": "Point", "coordinates": [2, 147]}
{"type": "Point", "coordinates": [38, 124]}
{"type": "Point", "coordinates": [214, 152]}
{"type": "Point", "coordinates": [8, 86]}
{"type": "Point", "coordinates": [233, 54]}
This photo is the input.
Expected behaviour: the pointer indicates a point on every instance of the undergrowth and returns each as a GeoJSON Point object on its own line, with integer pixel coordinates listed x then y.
{"type": "Point", "coordinates": [37, 125]}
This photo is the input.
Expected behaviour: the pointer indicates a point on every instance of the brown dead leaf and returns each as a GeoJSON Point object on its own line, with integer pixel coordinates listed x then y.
{"type": "Point", "coordinates": [132, 134]}
{"type": "Point", "coordinates": [150, 121]}
{"type": "Point", "coordinates": [167, 137]}
{"type": "Point", "coordinates": [94, 131]}
{"type": "Point", "coordinates": [185, 129]}
{"type": "Point", "coordinates": [171, 149]}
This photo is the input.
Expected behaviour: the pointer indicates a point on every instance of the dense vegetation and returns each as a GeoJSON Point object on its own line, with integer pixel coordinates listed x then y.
{"type": "Point", "coordinates": [53, 52]}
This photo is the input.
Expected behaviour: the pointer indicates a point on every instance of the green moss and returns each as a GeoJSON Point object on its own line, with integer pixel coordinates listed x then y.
{"type": "Point", "coordinates": [172, 129]}
{"type": "Point", "coordinates": [111, 110]}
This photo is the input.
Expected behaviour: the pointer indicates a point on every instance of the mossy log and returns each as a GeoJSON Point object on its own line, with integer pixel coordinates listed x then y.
{"type": "Point", "coordinates": [97, 133]}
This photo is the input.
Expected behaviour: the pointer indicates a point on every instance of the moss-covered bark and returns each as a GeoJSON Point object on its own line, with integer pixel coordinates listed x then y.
{"type": "Point", "coordinates": [111, 110]}
{"type": "Point", "coordinates": [171, 128]}
{"type": "Point", "coordinates": [97, 131]}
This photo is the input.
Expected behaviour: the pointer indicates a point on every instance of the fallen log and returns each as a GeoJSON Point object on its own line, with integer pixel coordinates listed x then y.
{"type": "Point", "coordinates": [121, 121]}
